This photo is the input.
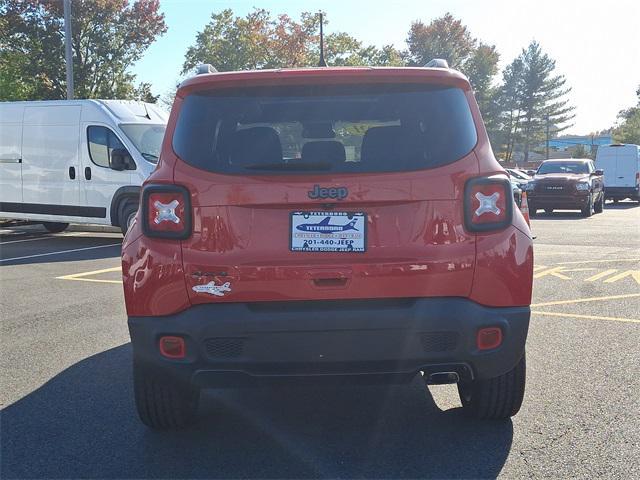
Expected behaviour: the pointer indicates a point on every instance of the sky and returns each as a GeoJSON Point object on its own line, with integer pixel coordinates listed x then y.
{"type": "Point", "coordinates": [596, 44]}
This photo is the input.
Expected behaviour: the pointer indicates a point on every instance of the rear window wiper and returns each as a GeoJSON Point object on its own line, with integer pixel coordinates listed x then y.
{"type": "Point", "coordinates": [296, 166]}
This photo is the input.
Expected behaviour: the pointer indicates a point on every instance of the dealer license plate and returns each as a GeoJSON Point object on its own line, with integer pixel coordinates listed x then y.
{"type": "Point", "coordinates": [328, 232]}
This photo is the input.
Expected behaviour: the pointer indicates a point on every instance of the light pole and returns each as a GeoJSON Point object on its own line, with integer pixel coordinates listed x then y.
{"type": "Point", "coordinates": [547, 119]}
{"type": "Point", "coordinates": [68, 55]}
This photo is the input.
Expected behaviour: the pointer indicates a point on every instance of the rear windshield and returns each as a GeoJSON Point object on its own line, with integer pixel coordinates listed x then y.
{"type": "Point", "coordinates": [324, 129]}
{"type": "Point", "coordinates": [564, 167]}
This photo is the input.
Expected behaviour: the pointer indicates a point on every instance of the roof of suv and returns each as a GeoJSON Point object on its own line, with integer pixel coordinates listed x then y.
{"type": "Point", "coordinates": [338, 75]}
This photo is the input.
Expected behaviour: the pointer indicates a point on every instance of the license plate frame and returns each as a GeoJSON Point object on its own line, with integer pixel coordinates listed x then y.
{"type": "Point", "coordinates": [325, 232]}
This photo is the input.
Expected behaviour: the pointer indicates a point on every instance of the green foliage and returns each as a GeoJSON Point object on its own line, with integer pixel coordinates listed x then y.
{"type": "Point", "coordinates": [447, 37]}
{"type": "Point", "coordinates": [108, 36]}
{"type": "Point", "coordinates": [258, 41]}
{"type": "Point", "coordinates": [580, 151]}
{"type": "Point", "coordinates": [628, 129]}
{"type": "Point", "coordinates": [531, 97]}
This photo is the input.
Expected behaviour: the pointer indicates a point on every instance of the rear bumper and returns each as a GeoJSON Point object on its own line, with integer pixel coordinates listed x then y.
{"type": "Point", "coordinates": [621, 193]}
{"type": "Point", "coordinates": [250, 343]}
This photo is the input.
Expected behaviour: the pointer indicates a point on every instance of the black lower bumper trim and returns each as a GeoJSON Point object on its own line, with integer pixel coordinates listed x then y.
{"type": "Point", "coordinates": [235, 344]}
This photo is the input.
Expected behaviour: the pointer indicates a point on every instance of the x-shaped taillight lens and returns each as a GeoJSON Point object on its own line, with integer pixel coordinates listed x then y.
{"type": "Point", "coordinates": [488, 203]}
{"type": "Point", "coordinates": [166, 211]}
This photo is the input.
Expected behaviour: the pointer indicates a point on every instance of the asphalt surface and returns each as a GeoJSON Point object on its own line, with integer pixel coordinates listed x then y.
{"type": "Point", "coordinates": [68, 412]}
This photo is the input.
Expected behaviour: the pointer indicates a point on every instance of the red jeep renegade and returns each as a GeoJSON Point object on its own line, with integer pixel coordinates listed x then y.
{"type": "Point", "coordinates": [346, 224]}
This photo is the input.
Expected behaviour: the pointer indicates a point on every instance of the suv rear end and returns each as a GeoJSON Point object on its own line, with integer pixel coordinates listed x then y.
{"type": "Point", "coordinates": [334, 224]}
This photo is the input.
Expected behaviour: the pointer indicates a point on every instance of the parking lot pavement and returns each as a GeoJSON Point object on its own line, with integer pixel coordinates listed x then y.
{"type": "Point", "coordinates": [68, 408]}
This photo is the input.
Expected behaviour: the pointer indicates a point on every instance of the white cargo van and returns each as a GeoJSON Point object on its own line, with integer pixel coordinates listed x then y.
{"type": "Point", "coordinates": [76, 161]}
{"type": "Point", "coordinates": [621, 165]}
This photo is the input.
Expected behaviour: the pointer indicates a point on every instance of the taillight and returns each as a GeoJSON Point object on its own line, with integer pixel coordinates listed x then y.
{"type": "Point", "coordinates": [166, 211]}
{"type": "Point", "coordinates": [488, 203]}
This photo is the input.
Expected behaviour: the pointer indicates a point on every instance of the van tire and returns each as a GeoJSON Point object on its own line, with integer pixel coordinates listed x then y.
{"type": "Point", "coordinates": [126, 216]}
{"type": "Point", "coordinates": [161, 402]}
{"type": "Point", "coordinates": [495, 398]}
{"type": "Point", "coordinates": [55, 227]}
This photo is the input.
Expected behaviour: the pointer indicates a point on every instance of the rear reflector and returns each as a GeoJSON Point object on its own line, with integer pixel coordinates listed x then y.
{"type": "Point", "coordinates": [488, 203]}
{"type": "Point", "coordinates": [166, 211]}
{"type": "Point", "coordinates": [173, 347]}
{"type": "Point", "coordinates": [489, 338]}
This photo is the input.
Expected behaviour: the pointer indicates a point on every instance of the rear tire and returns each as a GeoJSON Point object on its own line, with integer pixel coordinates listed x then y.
{"type": "Point", "coordinates": [588, 210]}
{"type": "Point", "coordinates": [495, 398]}
{"type": "Point", "coordinates": [127, 215]}
{"type": "Point", "coordinates": [599, 206]}
{"type": "Point", "coordinates": [55, 227]}
{"type": "Point", "coordinates": [162, 403]}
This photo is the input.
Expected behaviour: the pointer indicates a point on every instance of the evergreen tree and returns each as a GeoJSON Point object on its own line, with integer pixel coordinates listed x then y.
{"type": "Point", "coordinates": [543, 98]}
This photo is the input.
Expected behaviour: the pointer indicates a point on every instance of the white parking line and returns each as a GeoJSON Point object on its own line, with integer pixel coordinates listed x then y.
{"type": "Point", "coordinates": [58, 253]}
{"type": "Point", "coordinates": [47, 237]}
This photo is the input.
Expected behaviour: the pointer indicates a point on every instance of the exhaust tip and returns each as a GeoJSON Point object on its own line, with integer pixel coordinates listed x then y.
{"type": "Point", "coordinates": [442, 378]}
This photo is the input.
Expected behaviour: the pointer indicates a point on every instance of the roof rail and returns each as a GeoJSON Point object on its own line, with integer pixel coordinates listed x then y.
{"type": "Point", "coordinates": [205, 68]}
{"type": "Point", "coordinates": [437, 63]}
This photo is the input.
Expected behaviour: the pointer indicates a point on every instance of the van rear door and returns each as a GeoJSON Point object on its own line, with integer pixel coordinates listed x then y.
{"type": "Point", "coordinates": [50, 164]}
{"type": "Point", "coordinates": [10, 154]}
{"type": "Point", "coordinates": [626, 166]}
{"type": "Point", "coordinates": [607, 158]}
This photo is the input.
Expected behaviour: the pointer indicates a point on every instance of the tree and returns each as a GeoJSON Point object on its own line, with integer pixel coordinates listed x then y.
{"type": "Point", "coordinates": [508, 108]}
{"type": "Point", "coordinates": [259, 41]}
{"type": "Point", "coordinates": [108, 37]}
{"type": "Point", "coordinates": [628, 129]}
{"type": "Point", "coordinates": [448, 38]}
{"type": "Point", "coordinates": [143, 93]}
{"type": "Point", "coordinates": [531, 98]}
{"type": "Point", "coordinates": [444, 37]}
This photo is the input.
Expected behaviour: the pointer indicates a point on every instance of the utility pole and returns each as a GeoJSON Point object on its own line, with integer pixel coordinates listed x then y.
{"type": "Point", "coordinates": [68, 55]}
{"type": "Point", "coordinates": [322, 62]}
{"type": "Point", "coordinates": [547, 119]}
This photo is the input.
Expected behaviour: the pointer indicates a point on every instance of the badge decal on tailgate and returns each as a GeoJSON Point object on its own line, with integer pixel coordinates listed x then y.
{"type": "Point", "coordinates": [213, 289]}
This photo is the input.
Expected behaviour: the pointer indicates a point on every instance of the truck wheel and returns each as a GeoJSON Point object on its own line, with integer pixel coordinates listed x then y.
{"type": "Point", "coordinates": [162, 403]}
{"type": "Point", "coordinates": [127, 214]}
{"type": "Point", "coordinates": [495, 398]}
{"type": "Point", "coordinates": [599, 206]}
{"type": "Point", "coordinates": [55, 227]}
{"type": "Point", "coordinates": [588, 210]}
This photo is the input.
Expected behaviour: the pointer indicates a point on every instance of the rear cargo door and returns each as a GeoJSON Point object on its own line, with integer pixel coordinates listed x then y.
{"type": "Point", "coordinates": [327, 193]}
{"type": "Point", "coordinates": [626, 166]}
{"type": "Point", "coordinates": [607, 160]}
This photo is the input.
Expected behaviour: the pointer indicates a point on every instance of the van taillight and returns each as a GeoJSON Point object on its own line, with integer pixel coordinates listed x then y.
{"type": "Point", "coordinates": [166, 211]}
{"type": "Point", "coordinates": [488, 203]}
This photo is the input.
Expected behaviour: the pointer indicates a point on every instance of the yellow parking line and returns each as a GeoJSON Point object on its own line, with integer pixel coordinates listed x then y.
{"type": "Point", "coordinates": [582, 300]}
{"type": "Point", "coordinates": [96, 280]}
{"type": "Point", "coordinates": [587, 317]}
{"type": "Point", "coordinates": [610, 260]}
{"type": "Point", "coordinates": [79, 276]}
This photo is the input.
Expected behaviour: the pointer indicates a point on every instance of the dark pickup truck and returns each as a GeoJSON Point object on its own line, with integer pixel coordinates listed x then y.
{"type": "Point", "coordinates": [573, 184]}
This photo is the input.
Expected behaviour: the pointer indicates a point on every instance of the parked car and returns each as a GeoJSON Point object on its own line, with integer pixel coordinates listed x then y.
{"type": "Point", "coordinates": [621, 165]}
{"type": "Point", "coordinates": [516, 190]}
{"type": "Point", "coordinates": [76, 161]}
{"type": "Point", "coordinates": [523, 177]}
{"type": "Point", "coordinates": [573, 184]}
{"type": "Point", "coordinates": [327, 224]}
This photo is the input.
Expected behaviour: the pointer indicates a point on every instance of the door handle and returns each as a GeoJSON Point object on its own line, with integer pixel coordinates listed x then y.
{"type": "Point", "coordinates": [87, 173]}
{"type": "Point", "coordinates": [72, 173]}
